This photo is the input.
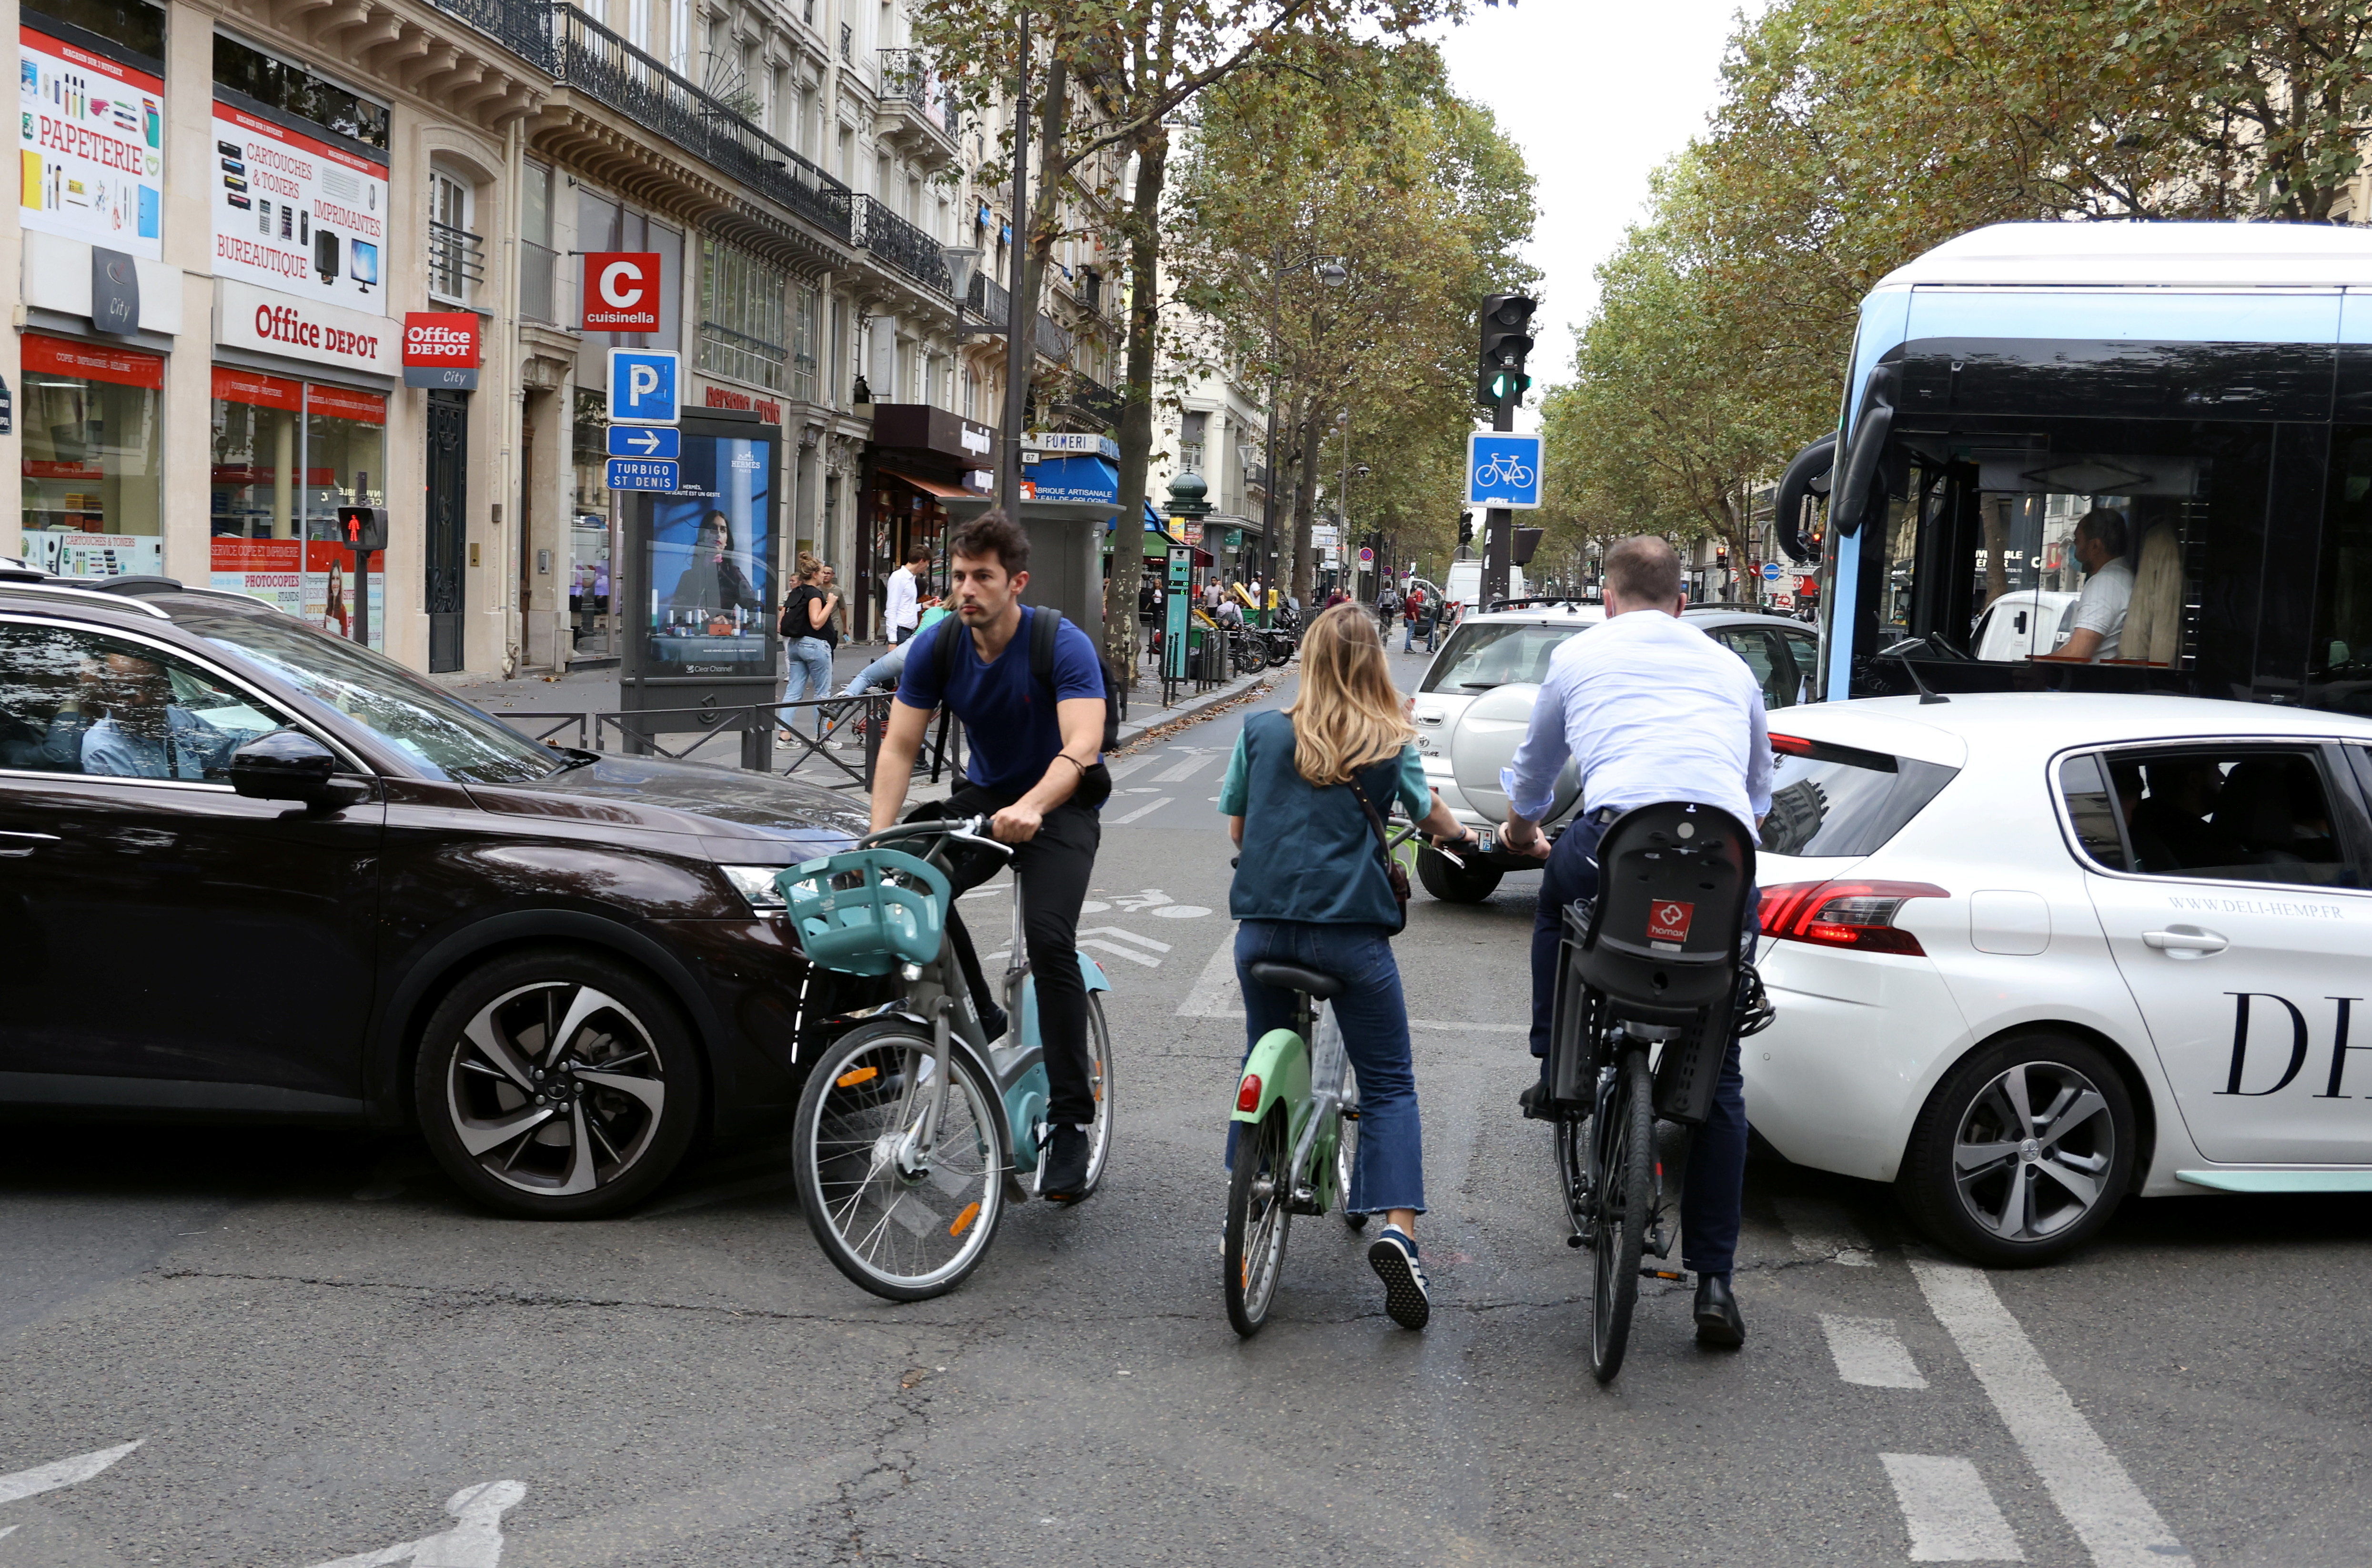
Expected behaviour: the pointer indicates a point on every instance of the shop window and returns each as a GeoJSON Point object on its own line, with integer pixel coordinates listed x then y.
{"type": "Point", "coordinates": [287, 456]}
{"type": "Point", "coordinates": [135, 25]}
{"type": "Point", "coordinates": [91, 497]}
{"type": "Point", "coordinates": [291, 88]}
{"type": "Point", "coordinates": [741, 317]}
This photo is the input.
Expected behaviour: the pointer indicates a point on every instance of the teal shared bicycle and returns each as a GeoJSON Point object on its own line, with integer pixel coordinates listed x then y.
{"type": "Point", "coordinates": [914, 1131]}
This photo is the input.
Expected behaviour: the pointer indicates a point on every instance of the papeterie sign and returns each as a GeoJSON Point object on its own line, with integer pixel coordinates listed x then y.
{"type": "Point", "coordinates": [90, 141]}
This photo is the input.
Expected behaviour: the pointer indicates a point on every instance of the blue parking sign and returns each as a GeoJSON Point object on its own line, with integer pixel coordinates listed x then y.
{"type": "Point", "coordinates": [642, 387]}
{"type": "Point", "coordinates": [1503, 469]}
{"type": "Point", "coordinates": [663, 442]}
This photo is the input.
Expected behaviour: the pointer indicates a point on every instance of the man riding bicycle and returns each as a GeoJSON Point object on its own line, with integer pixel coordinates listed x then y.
{"type": "Point", "coordinates": [1649, 709]}
{"type": "Point", "coordinates": [1037, 771]}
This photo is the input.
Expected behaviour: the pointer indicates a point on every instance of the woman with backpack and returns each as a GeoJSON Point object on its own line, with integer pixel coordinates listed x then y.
{"type": "Point", "coordinates": [809, 635]}
{"type": "Point", "coordinates": [1305, 798]}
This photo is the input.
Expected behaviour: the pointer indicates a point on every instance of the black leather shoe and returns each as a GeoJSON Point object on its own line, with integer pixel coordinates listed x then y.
{"type": "Point", "coordinates": [1718, 1322]}
{"type": "Point", "coordinates": [1066, 1177]}
{"type": "Point", "coordinates": [1535, 1101]}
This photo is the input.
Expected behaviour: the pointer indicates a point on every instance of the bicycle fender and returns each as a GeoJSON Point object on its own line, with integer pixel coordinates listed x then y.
{"type": "Point", "coordinates": [1281, 1061]}
{"type": "Point", "coordinates": [1093, 973]}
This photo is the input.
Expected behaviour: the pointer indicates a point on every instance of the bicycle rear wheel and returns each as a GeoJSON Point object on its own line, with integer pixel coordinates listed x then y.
{"type": "Point", "coordinates": [1258, 1215]}
{"type": "Point", "coordinates": [1622, 1152]}
{"type": "Point", "coordinates": [905, 1236]}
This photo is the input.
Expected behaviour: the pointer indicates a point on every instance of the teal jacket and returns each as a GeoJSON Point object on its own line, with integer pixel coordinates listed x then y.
{"type": "Point", "coordinates": [1309, 854]}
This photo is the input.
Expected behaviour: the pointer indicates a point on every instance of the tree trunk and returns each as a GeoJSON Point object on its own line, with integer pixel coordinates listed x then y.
{"type": "Point", "coordinates": [1304, 503]}
{"type": "Point", "coordinates": [1136, 409]}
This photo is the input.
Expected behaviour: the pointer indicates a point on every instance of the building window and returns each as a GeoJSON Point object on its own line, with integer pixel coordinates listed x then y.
{"type": "Point", "coordinates": [742, 310]}
{"type": "Point", "coordinates": [539, 262]}
{"type": "Point", "coordinates": [457, 257]}
{"type": "Point", "coordinates": [803, 342]}
{"type": "Point", "coordinates": [847, 44]}
{"type": "Point", "coordinates": [292, 89]}
{"type": "Point", "coordinates": [91, 492]}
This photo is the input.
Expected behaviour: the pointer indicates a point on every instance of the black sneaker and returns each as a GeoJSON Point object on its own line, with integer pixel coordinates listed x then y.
{"type": "Point", "coordinates": [1393, 1257]}
{"type": "Point", "coordinates": [1535, 1102]}
{"type": "Point", "coordinates": [1064, 1178]}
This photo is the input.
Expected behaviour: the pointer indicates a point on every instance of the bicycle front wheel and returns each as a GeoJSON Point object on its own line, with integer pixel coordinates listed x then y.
{"type": "Point", "coordinates": [1257, 1217]}
{"type": "Point", "coordinates": [1622, 1152]}
{"type": "Point", "coordinates": [905, 1230]}
{"type": "Point", "coordinates": [1099, 1079]}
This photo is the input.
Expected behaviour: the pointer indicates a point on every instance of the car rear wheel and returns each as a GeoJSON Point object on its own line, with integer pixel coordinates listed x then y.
{"type": "Point", "coordinates": [2023, 1152]}
{"type": "Point", "coordinates": [557, 1084]}
{"type": "Point", "coordinates": [1451, 884]}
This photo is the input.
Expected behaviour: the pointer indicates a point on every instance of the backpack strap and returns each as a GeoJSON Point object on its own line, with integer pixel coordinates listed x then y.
{"type": "Point", "coordinates": [1045, 625]}
{"type": "Point", "coordinates": [950, 634]}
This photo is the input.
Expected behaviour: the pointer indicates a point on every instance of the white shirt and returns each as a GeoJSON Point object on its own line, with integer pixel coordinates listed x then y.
{"type": "Point", "coordinates": [1649, 708]}
{"type": "Point", "coordinates": [2107, 594]}
{"type": "Point", "coordinates": [904, 610]}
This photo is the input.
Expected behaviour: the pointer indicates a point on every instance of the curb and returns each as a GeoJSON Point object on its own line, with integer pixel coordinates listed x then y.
{"type": "Point", "coordinates": [1189, 710]}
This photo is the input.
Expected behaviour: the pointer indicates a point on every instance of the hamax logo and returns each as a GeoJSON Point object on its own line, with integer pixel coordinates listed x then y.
{"type": "Point", "coordinates": [1670, 921]}
{"type": "Point", "coordinates": [2299, 1044]}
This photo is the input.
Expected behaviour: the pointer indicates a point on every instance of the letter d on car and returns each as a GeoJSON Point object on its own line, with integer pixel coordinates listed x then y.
{"type": "Point", "coordinates": [2240, 1042]}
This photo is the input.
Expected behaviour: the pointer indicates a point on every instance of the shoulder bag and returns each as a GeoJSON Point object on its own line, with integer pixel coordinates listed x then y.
{"type": "Point", "coordinates": [1394, 872]}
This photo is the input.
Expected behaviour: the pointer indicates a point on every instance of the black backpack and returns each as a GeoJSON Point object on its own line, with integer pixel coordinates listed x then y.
{"type": "Point", "coordinates": [1045, 625]}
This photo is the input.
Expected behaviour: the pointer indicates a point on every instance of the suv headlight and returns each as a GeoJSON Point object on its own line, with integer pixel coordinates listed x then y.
{"type": "Point", "coordinates": [756, 886]}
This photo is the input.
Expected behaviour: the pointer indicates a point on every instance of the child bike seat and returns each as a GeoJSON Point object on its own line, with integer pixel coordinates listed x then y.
{"type": "Point", "coordinates": [1293, 977]}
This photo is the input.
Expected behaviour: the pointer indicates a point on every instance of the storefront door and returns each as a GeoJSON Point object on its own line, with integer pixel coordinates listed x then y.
{"type": "Point", "coordinates": [447, 525]}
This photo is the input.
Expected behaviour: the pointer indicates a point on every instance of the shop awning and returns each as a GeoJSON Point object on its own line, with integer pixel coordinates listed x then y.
{"type": "Point", "coordinates": [944, 490]}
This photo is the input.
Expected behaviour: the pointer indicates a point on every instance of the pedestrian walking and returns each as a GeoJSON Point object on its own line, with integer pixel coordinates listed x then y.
{"type": "Point", "coordinates": [809, 635]}
{"type": "Point", "coordinates": [1304, 796]}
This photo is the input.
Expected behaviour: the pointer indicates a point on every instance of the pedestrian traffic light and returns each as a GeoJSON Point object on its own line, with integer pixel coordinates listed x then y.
{"type": "Point", "coordinates": [1465, 527]}
{"type": "Point", "coordinates": [363, 529]}
{"type": "Point", "coordinates": [1507, 340]}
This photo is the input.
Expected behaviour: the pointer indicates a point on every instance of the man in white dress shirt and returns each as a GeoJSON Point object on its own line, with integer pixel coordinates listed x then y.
{"type": "Point", "coordinates": [1649, 709]}
{"type": "Point", "coordinates": [905, 610]}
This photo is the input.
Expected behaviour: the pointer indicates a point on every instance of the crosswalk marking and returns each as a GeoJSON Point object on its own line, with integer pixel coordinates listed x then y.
{"type": "Point", "coordinates": [1952, 1517]}
{"type": "Point", "coordinates": [1147, 809]}
{"type": "Point", "coordinates": [2100, 1501]}
{"type": "Point", "coordinates": [1867, 1353]}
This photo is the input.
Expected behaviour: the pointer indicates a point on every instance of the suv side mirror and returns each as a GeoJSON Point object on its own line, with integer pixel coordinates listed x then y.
{"type": "Point", "coordinates": [289, 764]}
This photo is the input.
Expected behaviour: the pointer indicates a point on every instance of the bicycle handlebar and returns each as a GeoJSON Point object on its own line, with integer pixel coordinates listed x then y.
{"type": "Point", "coordinates": [969, 830]}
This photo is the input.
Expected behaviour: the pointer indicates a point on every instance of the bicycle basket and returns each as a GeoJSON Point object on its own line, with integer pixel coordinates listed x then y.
{"type": "Point", "coordinates": [855, 914]}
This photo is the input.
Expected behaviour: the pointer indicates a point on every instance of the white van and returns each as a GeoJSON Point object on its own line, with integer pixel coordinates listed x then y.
{"type": "Point", "coordinates": [1464, 585]}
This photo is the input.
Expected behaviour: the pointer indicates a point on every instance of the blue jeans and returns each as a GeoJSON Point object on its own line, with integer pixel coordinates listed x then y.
{"type": "Point", "coordinates": [811, 674]}
{"type": "Point", "coordinates": [883, 671]}
{"type": "Point", "coordinates": [1714, 1189]}
{"type": "Point", "coordinates": [1389, 1171]}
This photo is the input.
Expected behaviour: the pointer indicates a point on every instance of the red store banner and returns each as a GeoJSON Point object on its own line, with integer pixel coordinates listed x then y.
{"type": "Point", "coordinates": [89, 362]}
{"type": "Point", "coordinates": [440, 349]}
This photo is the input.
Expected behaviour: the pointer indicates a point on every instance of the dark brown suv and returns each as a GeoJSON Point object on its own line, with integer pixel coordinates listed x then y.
{"type": "Point", "coordinates": [252, 870]}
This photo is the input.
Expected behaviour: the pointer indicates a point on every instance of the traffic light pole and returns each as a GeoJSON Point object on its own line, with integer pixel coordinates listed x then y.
{"type": "Point", "coordinates": [1498, 524]}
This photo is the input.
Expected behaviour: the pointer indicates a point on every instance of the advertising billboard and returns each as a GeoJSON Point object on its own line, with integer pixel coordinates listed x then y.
{"type": "Point", "coordinates": [709, 575]}
{"type": "Point", "coordinates": [294, 213]}
{"type": "Point", "coordinates": [91, 144]}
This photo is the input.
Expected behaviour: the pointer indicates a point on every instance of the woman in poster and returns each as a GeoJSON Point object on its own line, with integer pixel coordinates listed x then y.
{"type": "Point", "coordinates": [713, 581]}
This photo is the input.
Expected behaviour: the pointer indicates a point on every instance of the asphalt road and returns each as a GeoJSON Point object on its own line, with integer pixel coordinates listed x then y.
{"type": "Point", "coordinates": [325, 1356]}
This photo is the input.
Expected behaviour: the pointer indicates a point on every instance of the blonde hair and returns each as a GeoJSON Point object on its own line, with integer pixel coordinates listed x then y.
{"type": "Point", "coordinates": [1349, 714]}
{"type": "Point", "coordinates": [809, 565]}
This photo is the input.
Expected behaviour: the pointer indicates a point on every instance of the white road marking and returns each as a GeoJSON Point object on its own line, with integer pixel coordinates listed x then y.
{"type": "Point", "coordinates": [1214, 994]}
{"type": "Point", "coordinates": [61, 1472]}
{"type": "Point", "coordinates": [475, 1542]}
{"type": "Point", "coordinates": [9, 1530]}
{"type": "Point", "coordinates": [1822, 1230]}
{"type": "Point", "coordinates": [1187, 769]}
{"type": "Point", "coordinates": [1867, 1353]}
{"type": "Point", "coordinates": [1120, 770]}
{"type": "Point", "coordinates": [1953, 1517]}
{"type": "Point", "coordinates": [1116, 950]}
{"type": "Point", "coordinates": [1149, 897]}
{"type": "Point", "coordinates": [1157, 945]}
{"type": "Point", "coordinates": [1180, 912]}
{"type": "Point", "coordinates": [2100, 1501]}
{"type": "Point", "coordinates": [1147, 809]}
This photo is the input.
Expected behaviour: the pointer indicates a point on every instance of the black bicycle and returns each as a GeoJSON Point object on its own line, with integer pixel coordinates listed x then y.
{"type": "Point", "coordinates": [1654, 978]}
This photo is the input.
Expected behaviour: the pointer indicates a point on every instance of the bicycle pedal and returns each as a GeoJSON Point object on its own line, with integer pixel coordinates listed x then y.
{"type": "Point", "coordinates": [1675, 1277]}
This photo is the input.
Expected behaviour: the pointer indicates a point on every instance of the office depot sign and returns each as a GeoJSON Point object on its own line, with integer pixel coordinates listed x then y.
{"type": "Point", "coordinates": [440, 349]}
{"type": "Point", "coordinates": [622, 291]}
{"type": "Point", "coordinates": [267, 321]}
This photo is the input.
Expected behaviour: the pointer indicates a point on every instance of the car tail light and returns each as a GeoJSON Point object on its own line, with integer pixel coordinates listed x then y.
{"type": "Point", "coordinates": [1859, 915]}
{"type": "Point", "coordinates": [1249, 1095]}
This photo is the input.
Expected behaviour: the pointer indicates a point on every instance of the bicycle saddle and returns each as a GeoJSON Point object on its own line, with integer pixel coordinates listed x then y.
{"type": "Point", "coordinates": [1293, 977]}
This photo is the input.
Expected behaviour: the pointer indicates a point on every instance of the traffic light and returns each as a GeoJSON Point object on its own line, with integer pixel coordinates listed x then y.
{"type": "Point", "coordinates": [363, 529]}
{"type": "Point", "coordinates": [1507, 340]}
{"type": "Point", "coordinates": [1465, 527]}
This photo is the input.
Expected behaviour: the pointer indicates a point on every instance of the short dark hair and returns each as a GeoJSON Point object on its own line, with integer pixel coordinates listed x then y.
{"type": "Point", "coordinates": [2105, 524]}
{"type": "Point", "coordinates": [915, 552]}
{"type": "Point", "coordinates": [992, 533]}
{"type": "Point", "coordinates": [1645, 569]}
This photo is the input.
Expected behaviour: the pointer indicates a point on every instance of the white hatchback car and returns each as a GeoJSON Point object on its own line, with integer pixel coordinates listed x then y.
{"type": "Point", "coordinates": [2031, 952]}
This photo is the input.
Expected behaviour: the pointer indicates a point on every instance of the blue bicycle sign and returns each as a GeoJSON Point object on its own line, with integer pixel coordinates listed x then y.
{"type": "Point", "coordinates": [1503, 469]}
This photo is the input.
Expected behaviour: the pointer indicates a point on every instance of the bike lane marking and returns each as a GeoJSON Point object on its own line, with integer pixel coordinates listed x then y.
{"type": "Point", "coordinates": [1186, 769]}
{"type": "Point", "coordinates": [59, 1472]}
{"type": "Point", "coordinates": [1147, 809]}
{"type": "Point", "coordinates": [1869, 1353]}
{"type": "Point", "coordinates": [475, 1541]}
{"type": "Point", "coordinates": [1952, 1515]}
{"type": "Point", "coordinates": [2100, 1501]}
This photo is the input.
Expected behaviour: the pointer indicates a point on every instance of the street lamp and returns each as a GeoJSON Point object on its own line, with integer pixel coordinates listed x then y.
{"type": "Point", "coordinates": [1330, 272]}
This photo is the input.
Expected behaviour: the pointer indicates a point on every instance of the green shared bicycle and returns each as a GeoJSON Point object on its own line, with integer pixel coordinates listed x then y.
{"type": "Point", "coordinates": [915, 1130]}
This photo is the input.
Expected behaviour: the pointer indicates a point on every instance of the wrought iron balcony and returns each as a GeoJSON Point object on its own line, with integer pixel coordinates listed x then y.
{"type": "Point", "coordinates": [907, 77]}
{"type": "Point", "coordinates": [1086, 397]}
{"type": "Point", "coordinates": [596, 62]}
{"type": "Point", "coordinates": [457, 263]}
{"type": "Point", "coordinates": [900, 244]}
{"type": "Point", "coordinates": [523, 27]}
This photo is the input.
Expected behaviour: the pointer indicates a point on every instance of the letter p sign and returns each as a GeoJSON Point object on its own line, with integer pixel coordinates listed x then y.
{"type": "Point", "coordinates": [642, 387]}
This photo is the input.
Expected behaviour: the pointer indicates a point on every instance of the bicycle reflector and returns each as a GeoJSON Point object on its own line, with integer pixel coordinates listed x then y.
{"type": "Point", "coordinates": [1248, 1096]}
{"type": "Point", "coordinates": [1859, 915]}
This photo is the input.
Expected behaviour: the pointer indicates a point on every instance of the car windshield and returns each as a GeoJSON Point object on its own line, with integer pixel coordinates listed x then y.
{"type": "Point", "coordinates": [444, 737]}
{"type": "Point", "coordinates": [1481, 656]}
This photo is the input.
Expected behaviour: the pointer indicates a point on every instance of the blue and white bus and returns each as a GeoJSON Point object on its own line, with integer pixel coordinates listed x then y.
{"type": "Point", "coordinates": [2206, 386]}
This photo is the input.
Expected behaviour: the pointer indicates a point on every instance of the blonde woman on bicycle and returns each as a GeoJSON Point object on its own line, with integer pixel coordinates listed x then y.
{"type": "Point", "coordinates": [1304, 795]}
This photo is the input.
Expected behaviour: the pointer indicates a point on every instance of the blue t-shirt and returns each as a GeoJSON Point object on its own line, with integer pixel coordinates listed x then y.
{"type": "Point", "coordinates": [1007, 716]}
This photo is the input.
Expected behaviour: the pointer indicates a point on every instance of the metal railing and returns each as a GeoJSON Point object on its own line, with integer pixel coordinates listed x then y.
{"type": "Point", "coordinates": [605, 67]}
{"type": "Point", "coordinates": [1092, 397]}
{"type": "Point", "coordinates": [736, 354]}
{"type": "Point", "coordinates": [900, 244]}
{"type": "Point", "coordinates": [457, 263]}
{"type": "Point", "coordinates": [992, 302]}
{"type": "Point", "coordinates": [759, 726]}
{"type": "Point", "coordinates": [905, 75]}
{"type": "Point", "coordinates": [523, 27]}
{"type": "Point", "coordinates": [539, 287]}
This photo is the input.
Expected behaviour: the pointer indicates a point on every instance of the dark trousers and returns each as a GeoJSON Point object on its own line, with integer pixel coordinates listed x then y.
{"type": "Point", "coordinates": [1055, 868]}
{"type": "Point", "coordinates": [1716, 1186]}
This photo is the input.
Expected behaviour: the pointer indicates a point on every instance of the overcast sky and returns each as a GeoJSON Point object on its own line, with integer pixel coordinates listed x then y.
{"type": "Point", "coordinates": [1597, 93]}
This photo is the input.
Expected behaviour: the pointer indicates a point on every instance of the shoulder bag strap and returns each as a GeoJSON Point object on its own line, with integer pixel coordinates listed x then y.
{"type": "Point", "coordinates": [1394, 873]}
